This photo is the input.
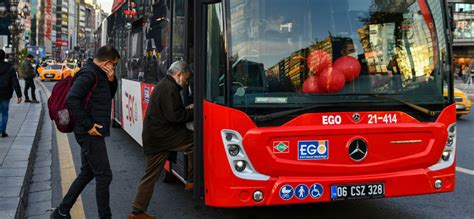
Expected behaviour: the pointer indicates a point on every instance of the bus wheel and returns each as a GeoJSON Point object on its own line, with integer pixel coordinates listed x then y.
{"type": "Point", "coordinates": [169, 177]}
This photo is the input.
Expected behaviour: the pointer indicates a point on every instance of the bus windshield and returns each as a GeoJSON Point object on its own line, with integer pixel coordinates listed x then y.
{"type": "Point", "coordinates": [300, 52]}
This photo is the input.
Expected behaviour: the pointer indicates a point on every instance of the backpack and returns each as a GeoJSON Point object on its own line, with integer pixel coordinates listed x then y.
{"type": "Point", "coordinates": [58, 110]}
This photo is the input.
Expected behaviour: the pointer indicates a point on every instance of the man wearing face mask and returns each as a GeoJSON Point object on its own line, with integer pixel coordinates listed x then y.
{"type": "Point", "coordinates": [164, 131]}
{"type": "Point", "coordinates": [91, 125]}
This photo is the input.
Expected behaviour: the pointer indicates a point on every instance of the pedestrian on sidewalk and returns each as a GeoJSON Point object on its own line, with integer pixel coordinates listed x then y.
{"type": "Point", "coordinates": [164, 131]}
{"type": "Point", "coordinates": [8, 83]}
{"type": "Point", "coordinates": [27, 72]}
{"type": "Point", "coordinates": [91, 127]}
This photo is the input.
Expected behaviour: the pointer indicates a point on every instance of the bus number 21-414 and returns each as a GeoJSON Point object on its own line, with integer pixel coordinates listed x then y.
{"type": "Point", "coordinates": [386, 119]}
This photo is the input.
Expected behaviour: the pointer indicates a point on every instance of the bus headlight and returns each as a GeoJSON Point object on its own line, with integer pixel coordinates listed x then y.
{"type": "Point", "coordinates": [234, 150]}
{"type": "Point", "coordinates": [448, 155]}
{"type": "Point", "coordinates": [240, 165]}
{"type": "Point", "coordinates": [239, 162]}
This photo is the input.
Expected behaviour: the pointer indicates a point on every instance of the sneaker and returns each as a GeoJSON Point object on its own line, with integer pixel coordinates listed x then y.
{"type": "Point", "coordinates": [141, 216]}
{"type": "Point", "coordinates": [58, 215]}
{"type": "Point", "coordinates": [27, 101]}
{"type": "Point", "coordinates": [34, 101]}
{"type": "Point", "coordinates": [4, 135]}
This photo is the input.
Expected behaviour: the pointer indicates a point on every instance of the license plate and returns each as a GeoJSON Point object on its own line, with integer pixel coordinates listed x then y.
{"type": "Point", "coordinates": [357, 191]}
{"type": "Point", "coordinates": [49, 76]}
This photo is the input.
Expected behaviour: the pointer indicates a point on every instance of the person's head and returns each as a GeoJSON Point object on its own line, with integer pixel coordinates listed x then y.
{"type": "Point", "coordinates": [180, 71]}
{"type": "Point", "coordinates": [30, 57]}
{"type": "Point", "coordinates": [2, 55]}
{"type": "Point", "coordinates": [106, 56]}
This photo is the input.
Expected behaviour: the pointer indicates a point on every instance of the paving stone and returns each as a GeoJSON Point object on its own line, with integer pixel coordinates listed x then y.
{"type": "Point", "coordinates": [38, 170]}
{"type": "Point", "coordinates": [15, 164]}
{"type": "Point", "coordinates": [38, 208]}
{"type": "Point", "coordinates": [40, 186]}
{"type": "Point", "coordinates": [7, 214]}
{"type": "Point", "coordinates": [13, 172]}
{"type": "Point", "coordinates": [39, 196]}
{"type": "Point", "coordinates": [9, 203]}
{"type": "Point", "coordinates": [8, 191]}
{"type": "Point", "coordinates": [44, 163]}
{"type": "Point", "coordinates": [41, 177]}
{"type": "Point", "coordinates": [43, 157]}
{"type": "Point", "coordinates": [12, 181]}
{"type": "Point", "coordinates": [43, 216]}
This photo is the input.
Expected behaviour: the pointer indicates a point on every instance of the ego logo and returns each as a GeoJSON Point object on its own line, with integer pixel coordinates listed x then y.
{"type": "Point", "coordinates": [313, 150]}
{"type": "Point", "coordinates": [131, 107]}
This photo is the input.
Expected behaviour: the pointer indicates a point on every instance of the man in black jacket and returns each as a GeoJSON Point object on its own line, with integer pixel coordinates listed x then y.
{"type": "Point", "coordinates": [164, 131]}
{"type": "Point", "coordinates": [92, 124]}
{"type": "Point", "coordinates": [8, 82]}
{"type": "Point", "coordinates": [28, 73]}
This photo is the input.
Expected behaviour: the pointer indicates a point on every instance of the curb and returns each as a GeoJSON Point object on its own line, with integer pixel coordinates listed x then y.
{"type": "Point", "coordinates": [21, 209]}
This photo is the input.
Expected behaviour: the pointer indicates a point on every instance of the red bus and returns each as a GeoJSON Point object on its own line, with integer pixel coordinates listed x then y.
{"type": "Point", "coordinates": [298, 101]}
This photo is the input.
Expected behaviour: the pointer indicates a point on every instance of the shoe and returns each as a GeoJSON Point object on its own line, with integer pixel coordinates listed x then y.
{"type": "Point", "coordinates": [27, 101]}
{"type": "Point", "coordinates": [188, 186]}
{"type": "Point", "coordinates": [141, 216]}
{"type": "Point", "coordinates": [34, 101]}
{"type": "Point", "coordinates": [4, 135]}
{"type": "Point", "coordinates": [58, 215]}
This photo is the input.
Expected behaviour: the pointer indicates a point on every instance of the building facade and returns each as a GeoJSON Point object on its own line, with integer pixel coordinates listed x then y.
{"type": "Point", "coordinates": [463, 35]}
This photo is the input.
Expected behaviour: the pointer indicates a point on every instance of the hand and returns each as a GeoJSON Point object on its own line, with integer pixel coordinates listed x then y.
{"type": "Point", "coordinates": [190, 106]}
{"type": "Point", "coordinates": [110, 72]}
{"type": "Point", "coordinates": [18, 100]}
{"type": "Point", "coordinates": [94, 131]}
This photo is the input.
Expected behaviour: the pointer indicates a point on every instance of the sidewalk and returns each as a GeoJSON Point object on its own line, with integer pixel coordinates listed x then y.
{"type": "Point", "coordinates": [16, 153]}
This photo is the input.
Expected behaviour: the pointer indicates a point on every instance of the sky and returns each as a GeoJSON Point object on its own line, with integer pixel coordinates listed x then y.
{"type": "Point", "coordinates": [106, 5]}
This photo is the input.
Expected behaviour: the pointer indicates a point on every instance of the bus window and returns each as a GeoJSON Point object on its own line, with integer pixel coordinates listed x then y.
{"type": "Point", "coordinates": [157, 44]}
{"type": "Point", "coordinates": [215, 55]}
{"type": "Point", "coordinates": [179, 37]}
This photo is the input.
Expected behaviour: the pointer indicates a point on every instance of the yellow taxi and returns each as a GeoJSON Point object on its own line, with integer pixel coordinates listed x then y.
{"type": "Point", "coordinates": [52, 72]}
{"type": "Point", "coordinates": [463, 103]}
{"type": "Point", "coordinates": [70, 70]}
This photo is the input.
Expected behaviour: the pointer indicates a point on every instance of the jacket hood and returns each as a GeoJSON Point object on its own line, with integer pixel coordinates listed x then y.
{"type": "Point", "coordinates": [4, 67]}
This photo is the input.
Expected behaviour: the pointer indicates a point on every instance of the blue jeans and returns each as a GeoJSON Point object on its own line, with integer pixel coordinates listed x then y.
{"type": "Point", "coordinates": [4, 105]}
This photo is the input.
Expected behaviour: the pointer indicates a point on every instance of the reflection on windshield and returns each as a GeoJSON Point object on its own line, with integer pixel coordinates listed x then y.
{"type": "Point", "coordinates": [300, 47]}
{"type": "Point", "coordinates": [54, 67]}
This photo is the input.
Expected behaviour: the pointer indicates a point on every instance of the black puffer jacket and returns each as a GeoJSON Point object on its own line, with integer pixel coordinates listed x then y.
{"type": "Point", "coordinates": [8, 82]}
{"type": "Point", "coordinates": [100, 103]}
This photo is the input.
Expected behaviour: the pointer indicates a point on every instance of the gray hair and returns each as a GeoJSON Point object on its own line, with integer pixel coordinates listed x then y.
{"type": "Point", "coordinates": [178, 66]}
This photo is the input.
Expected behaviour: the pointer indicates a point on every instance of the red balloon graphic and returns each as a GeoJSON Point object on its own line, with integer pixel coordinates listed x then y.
{"type": "Point", "coordinates": [331, 80]}
{"type": "Point", "coordinates": [310, 85]}
{"type": "Point", "coordinates": [349, 66]}
{"type": "Point", "coordinates": [317, 61]}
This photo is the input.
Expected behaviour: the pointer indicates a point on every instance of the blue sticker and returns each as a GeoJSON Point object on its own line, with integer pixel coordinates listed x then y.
{"type": "Point", "coordinates": [313, 150]}
{"type": "Point", "coordinates": [301, 191]}
{"type": "Point", "coordinates": [146, 92]}
{"type": "Point", "coordinates": [333, 192]}
{"type": "Point", "coordinates": [316, 191]}
{"type": "Point", "coordinates": [286, 192]}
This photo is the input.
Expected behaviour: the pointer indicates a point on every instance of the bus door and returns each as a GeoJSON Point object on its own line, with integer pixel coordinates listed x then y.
{"type": "Point", "coordinates": [182, 49]}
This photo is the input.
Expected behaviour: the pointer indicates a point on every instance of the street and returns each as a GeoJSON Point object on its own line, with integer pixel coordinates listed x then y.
{"type": "Point", "coordinates": [172, 201]}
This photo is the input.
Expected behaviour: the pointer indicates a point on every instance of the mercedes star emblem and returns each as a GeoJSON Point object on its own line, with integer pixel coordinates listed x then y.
{"type": "Point", "coordinates": [358, 150]}
{"type": "Point", "coordinates": [356, 117]}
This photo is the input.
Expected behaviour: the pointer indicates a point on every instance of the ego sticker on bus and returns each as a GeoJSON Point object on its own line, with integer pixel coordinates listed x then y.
{"type": "Point", "coordinates": [313, 150]}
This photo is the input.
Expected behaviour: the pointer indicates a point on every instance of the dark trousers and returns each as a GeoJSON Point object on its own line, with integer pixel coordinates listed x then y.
{"type": "Point", "coordinates": [29, 83]}
{"type": "Point", "coordinates": [95, 164]}
{"type": "Point", "coordinates": [4, 105]}
{"type": "Point", "coordinates": [153, 165]}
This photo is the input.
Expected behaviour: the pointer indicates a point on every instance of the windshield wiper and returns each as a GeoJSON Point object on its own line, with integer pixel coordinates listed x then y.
{"type": "Point", "coordinates": [272, 116]}
{"type": "Point", "coordinates": [414, 106]}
